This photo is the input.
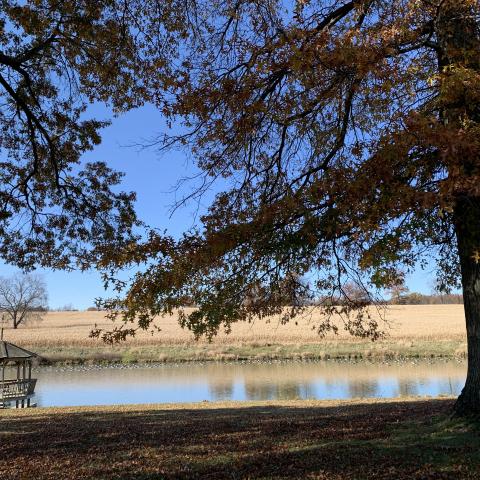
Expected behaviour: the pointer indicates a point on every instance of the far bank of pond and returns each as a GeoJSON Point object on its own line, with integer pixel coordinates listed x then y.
{"type": "Point", "coordinates": [342, 349]}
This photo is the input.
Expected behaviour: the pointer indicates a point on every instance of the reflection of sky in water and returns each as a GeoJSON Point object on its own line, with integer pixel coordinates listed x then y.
{"type": "Point", "coordinates": [188, 383]}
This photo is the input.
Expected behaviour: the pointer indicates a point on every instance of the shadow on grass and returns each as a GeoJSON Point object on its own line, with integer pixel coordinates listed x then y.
{"type": "Point", "coordinates": [390, 440]}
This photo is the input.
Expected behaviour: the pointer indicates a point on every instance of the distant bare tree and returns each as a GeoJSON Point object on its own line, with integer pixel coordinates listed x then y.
{"type": "Point", "coordinates": [397, 293]}
{"type": "Point", "coordinates": [23, 298]}
{"type": "Point", "coordinates": [353, 292]}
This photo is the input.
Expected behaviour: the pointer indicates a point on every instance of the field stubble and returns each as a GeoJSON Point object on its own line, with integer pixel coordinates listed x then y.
{"type": "Point", "coordinates": [411, 331]}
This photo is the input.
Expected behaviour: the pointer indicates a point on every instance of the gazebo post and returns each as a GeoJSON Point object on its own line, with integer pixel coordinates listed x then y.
{"type": "Point", "coordinates": [29, 378]}
{"type": "Point", "coordinates": [3, 376]}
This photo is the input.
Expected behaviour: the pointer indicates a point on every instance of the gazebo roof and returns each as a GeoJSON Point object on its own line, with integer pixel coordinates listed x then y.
{"type": "Point", "coordinates": [9, 351]}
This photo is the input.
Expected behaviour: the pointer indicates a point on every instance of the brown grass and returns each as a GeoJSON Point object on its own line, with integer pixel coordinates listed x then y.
{"type": "Point", "coordinates": [424, 330]}
{"type": "Point", "coordinates": [438, 322]}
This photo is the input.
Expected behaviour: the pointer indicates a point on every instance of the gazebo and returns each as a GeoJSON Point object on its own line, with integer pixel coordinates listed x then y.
{"type": "Point", "coordinates": [16, 361]}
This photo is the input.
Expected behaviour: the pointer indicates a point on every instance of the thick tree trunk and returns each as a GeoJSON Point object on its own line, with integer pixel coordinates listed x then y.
{"type": "Point", "coordinates": [459, 46]}
{"type": "Point", "coordinates": [467, 225]}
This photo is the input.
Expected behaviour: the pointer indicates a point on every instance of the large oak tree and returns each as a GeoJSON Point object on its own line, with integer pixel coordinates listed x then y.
{"type": "Point", "coordinates": [349, 134]}
{"type": "Point", "coordinates": [347, 130]}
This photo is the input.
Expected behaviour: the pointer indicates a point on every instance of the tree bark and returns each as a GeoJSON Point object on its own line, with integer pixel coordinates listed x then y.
{"type": "Point", "coordinates": [467, 226]}
{"type": "Point", "coordinates": [459, 46]}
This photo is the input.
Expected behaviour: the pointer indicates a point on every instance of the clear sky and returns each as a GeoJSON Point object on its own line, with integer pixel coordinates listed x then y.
{"type": "Point", "coordinates": [153, 177]}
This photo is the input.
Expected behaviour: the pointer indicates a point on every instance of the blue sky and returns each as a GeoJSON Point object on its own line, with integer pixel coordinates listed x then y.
{"type": "Point", "coordinates": [153, 177]}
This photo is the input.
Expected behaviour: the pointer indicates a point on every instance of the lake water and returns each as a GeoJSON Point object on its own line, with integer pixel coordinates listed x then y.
{"type": "Point", "coordinates": [194, 382]}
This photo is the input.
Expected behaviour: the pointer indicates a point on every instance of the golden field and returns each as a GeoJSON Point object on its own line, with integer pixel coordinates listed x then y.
{"type": "Point", "coordinates": [411, 330]}
{"type": "Point", "coordinates": [403, 321]}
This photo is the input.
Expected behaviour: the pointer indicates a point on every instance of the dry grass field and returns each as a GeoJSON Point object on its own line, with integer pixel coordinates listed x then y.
{"type": "Point", "coordinates": [411, 330]}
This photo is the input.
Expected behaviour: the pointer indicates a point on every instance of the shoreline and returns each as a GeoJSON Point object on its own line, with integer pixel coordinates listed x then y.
{"type": "Point", "coordinates": [341, 350]}
{"type": "Point", "coordinates": [196, 363]}
{"type": "Point", "coordinates": [222, 405]}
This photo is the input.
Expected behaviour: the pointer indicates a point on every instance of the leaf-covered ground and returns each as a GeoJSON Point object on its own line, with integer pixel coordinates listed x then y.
{"type": "Point", "coordinates": [304, 439]}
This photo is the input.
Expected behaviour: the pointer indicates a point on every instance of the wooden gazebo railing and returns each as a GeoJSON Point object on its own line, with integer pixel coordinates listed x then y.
{"type": "Point", "coordinates": [13, 389]}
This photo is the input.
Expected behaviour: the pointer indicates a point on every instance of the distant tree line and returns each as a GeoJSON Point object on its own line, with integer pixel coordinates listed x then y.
{"type": "Point", "coordinates": [400, 295]}
{"type": "Point", "coordinates": [415, 298]}
{"type": "Point", "coordinates": [397, 295]}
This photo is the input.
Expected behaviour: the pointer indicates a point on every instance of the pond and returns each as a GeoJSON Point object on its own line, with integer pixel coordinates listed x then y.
{"type": "Point", "coordinates": [194, 382]}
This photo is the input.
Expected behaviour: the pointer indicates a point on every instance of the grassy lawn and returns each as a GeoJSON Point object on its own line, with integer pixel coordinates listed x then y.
{"type": "Point", "coordinates": [298, 439]}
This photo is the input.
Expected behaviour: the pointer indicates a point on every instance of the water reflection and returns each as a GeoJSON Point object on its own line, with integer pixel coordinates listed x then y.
{"type": "Point", "coordinates": [362, 388]}
{"type": "Point", "coordinates": [279, 391]}
{"type": "Point", "coordinates": [221, 391]}
{"type": "Point", "coordinates": [245, 381]}
{"type": "Point", "coordinates": [407, 388]}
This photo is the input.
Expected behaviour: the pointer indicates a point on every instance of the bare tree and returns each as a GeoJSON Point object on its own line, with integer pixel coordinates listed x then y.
{"type": "Point", "coordinates": [397, 293]}
{"type": "Point", "coordinates": [23, 298]}
{"type": "Point", "coordinates": [354, 292]}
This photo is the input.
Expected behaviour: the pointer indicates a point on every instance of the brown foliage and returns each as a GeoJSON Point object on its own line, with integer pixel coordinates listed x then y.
{"type": "Point", "coordinates": [346, 131]}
